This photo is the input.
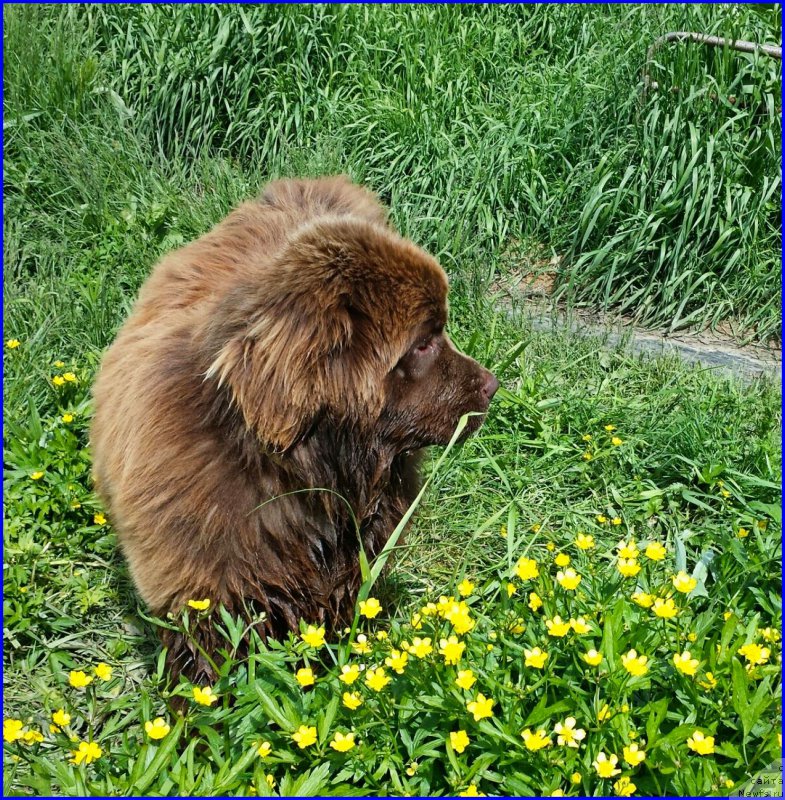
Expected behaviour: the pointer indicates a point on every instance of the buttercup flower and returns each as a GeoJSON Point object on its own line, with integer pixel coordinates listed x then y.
{"type": "Point", "coordinates": [381, 635]}
{"type": "Point", "coordinates": [465, 679]}
{"type": "Point", "coordinates": [562, 560]}
{"type": "Point", "coordinates": [604, 713]}
{"type": "Point", "coordinates": [665, 608]}
{"type": "Point", "coordinates": [61, 718]}
{"type": "Point", "coordinates": [702, 745]}
{"type": "Point", "coordinates": [592, 658]}
{"type": "Point", "coordinates": [684, 583]}
{"type": "Point", "coordinates": [58, 380]}
{"type": "Point", "coordinates": [87, 753]}
{"type": "Point", "coordinates": [204, 697]}
{"type": "Point", "coordinates": [616, 441]}
{"type": "Point", "coordinates": [421, 647]}
{"type": "Point", "coordinates": [655, 551]}
{"type": "Point", "coordinates": [37, 475]}
{"type": "Point", "coordinates": [584, 541]}
{"type": "Point", "coordinates": [396, 661]}
{"type": "Point", "coordinates": [576, 778]}
{"type": "Point", "coordinates": [304, 736]}
{"type": "Point", "coordinates": [67, 418]}
{"type": "Point", "coordinates": [643, 599]}
{"type": "Point", "coordinates": [770, 634]}
{"type": "Point", "coordinates": [156, 729]}
{"type": "Point", "coordinates": [264, 749]}
{"type": "Point", "coordinates": [370, 608]}
{"type": "Point", "coordinates": [569, 579]}
{"type": "Point", "coordinates": [556, 627]}
{"type": "Point", "coordinates": [710, 682]}
{"type": "Point", "coordinates": [471, 792]}
{"type": "Point", "coordinates": [580, 626]}
{"type": "Point", "coordinates": [627, 549]}
{"type": "Point", "coordinates": [305, 677]}
{"type": "Point", "coordinates": [416, 620]}
{"type": "Point", "coordinates": [78, 679]}
{"type": "Point", "coordinates": [628, 567]}
{"type": "Point", "coordinates": [465, 587]}
{"type": "Point", "coordinates": [59, 364]}
{"type": "Point", "coordinates": [754, 653]}
{"type": "Point", "coordinates": [360, 645]}
{"type": "Point", "coordinates": [587, 437]}
{"type": "Point", "coordinates": [535, 741]}
{"type": "Point", "coordinates": [342, 742]}
{"type": "Point", "coordinates": [349, 673]}
{"type": "Point", "coordinates": [103, 671]}
{"type": "Point", "coordinates": [451, 649]}
{"type": "Point", "coordinates": [610, 428]}
{"type": "Point", "coordinates": [511, 590]}
{"type": "Point", "coordinates": [742, 533]}
{"type": "Point", "coordinates": [567, 734]}
{"type": "Point", "coordinates": [685, 663]}
{"type": "Point", "coordinates": [459, 741]}
{"type": "Point", "coordinates": [601, 518]}
{"type": "Point", "coordinates": [377, 679]}
{"type": "Point", "coordinates": [480, 707]}
{"type": "Point", "coordinates": [616, 521]}
{"type": "Point", "coordinates": [352, 700]}
{"type": "Point", "coordinates": [624, 787]}
{"type": "Point", "coordinates": [12, 344]}
{"type": "Point", "coordinates": [12, 729]}
{"type": "Point", "coordinates": [313, 636]}
{"type": "Point", "coordinates": [605, 765]}
{"type": "Point", "coordinates": [526, 568]}
{"type": "Point", "coordinates": [535, 658]}
{"type": "Point", "coordinates": [634, 664]}
{"type": "Point", "coordinates": [32, 737]}
{"type": "Point", "coordinates": [70, 377]}
{"type": "Point", "coordinates": [587, 456]}
{"type": "Point", "coordinates": [633, 755]}
{"type": "Point", "coordinates": [99, 519]}
{"type": "Point", "coordinates": [535, 601]}
{"type": "Point", "coordinates": [459, 616]}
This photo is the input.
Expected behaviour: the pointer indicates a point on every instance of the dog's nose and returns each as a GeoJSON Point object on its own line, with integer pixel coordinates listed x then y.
{"type": "Point", "coordinates": [490, 386]}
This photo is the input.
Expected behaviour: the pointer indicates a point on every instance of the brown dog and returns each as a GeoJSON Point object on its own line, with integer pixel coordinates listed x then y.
{"type": "Point", "coordinates": [298, 346]}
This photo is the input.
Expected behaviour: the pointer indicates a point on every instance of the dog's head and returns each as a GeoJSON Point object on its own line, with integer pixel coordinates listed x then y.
{"type": "Point", "coordinates": [348, 321]}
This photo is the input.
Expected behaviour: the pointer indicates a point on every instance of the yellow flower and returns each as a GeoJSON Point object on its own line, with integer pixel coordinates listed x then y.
{"type": "Point", "coordinates": [568, 580]}
{"type": "Point", "coordinates": [451, 649]}
{"type": "Point", "coordinates": [526, 568]}
{"type": "Point", "coordinates": [580, 626]}
{"type": "Point", "coordinates": [199, 605]}
{"type": "Point", "coordinates": [511, 589]}
{"type": "Point", "coordinates": [584, 541]}
{"type": "Point", "coordinates": [67, 418]}
{"type": "Point", "coordinates": [742, 533]}
{"type": "Point", "coordinates": [480, 707]}
{"type": "Point", "coordinates": [61, 718]}
{"type": "Point", "coordinates": [567, 734]}
{"type": "Point", "coordinates": [12, 344]}
{"type": "Point", "coordinates": [729, 784]}
{"type": "Point", "coordinates": [78, 679]}
{"type": "Point", "coordinates": [352, 700]}
{"type": "Point", "coordinates": [627, 549]}
{"type": "Point", "coordinates": [634, 664]}
{"type": "Point", "coordinates": [536, 527]}
{"type": "Point", "coordinates": [313, 636]}
{"type": "Point", "coordinates": [416, 621]}
{"type": "Point", "coordinates": [643, 599]}
{"type": "Point", "coordinates": [270, 781]}
{"type": "Point", "coordinates": [349, 673]}
{"type": "Point", "coordinates": [377, 679]}
{"type": "Point", "coordinates": [535, 601]}
{"type": "Point", "coordinates": [685, 663]}
{"type": "Point", "coordinates": [459, 616]}
{"type": "Point", "coordinates": [465, 587]}
{"type": "Point", "coordinates": [361, 645]}
{"type": "Point", "coordinates": [616, 441]}
{"type": "Point", "coordinates": [421, 647]}
{"type": "Point", "coordinates": [12, 729]}
{"type": "Point", "coordinates": [305, 677]}
{"type": "Point", "coordinates": [624, 787]}
{"type": "Point", "coordinates": [633, 755]}
{"type": "Point", "coordinates": [58, 380]}
{"type": "Point", "coordinates": [103, 671]}
{"type": "Point", "coordinates": [710, 682]}
{"type": "Point", "coordinates": [556, 627]}
{"type": "Point", "coordinates": [503, 531]}
{"type": "Point", "coordinates": [604, 713]}
{"type": "Point", "coordinates": [204, 697]}
{"type": "Point", "coordinates": [304, 736]}
{"type": "Point", "coordinates": [459, 741]}
{"type": "Point", "coordinates": [605, 765]}
{"type": "Point", "coordinates": [592, 658]}
{"type": "Point", "coordinates": [87, 753]}
{"type": "Point", "coordinates": [754, 653]}
{"type": "Point", "coordinates": [156, 729]}
{"type": "Point", "coordinates": [342, 742]}
{"type": "Point", "coordinates": [726, 615]}
{"type": "Point", "coordinates": [370, 608]}
{"type": "Point", "coordinates": [665, 608]}
{"type": "Point", "coordinates": [518, 627]}
{"type": "Point", "coordinates": [99, 519]}
{"type": "Point", "coordinates": [37, 475]}
{"type": "Point", "coordinates": [32, 737]}
{"type": "Point", "coordinates": [397, 661]}
{"type": "Point", "coordinates": [628, 567]}
{"type": "Point", "coordinates": [702, 745]}
{"type": "Point", "coordinates": [769, 634]}
{"type": "Point", "coordinates": [535, 658]}
{"type": "Point", "coordinates": [684, 583]}
{"type": "Point", "coordinates": [587, 437]}
{"type": "Point", "coordinates": [562, 560]}
{"type": "Point", "coordinates": [70, 377]}
{"type": "Point", "coordinates": [59, 364]}
{"type": "Point", "coordinates": [655, 551]}
{"type": "Point", "coordinates": [575, 778]}
{"type": "Point", "coordinates": [264, 749]}
{"type": "Point", "coordinates": [601, 518]}
{"type": "Point", "coordinates": [471, 792]}
{"type": "Point", "coordinates": [616, 521]}
{"type": "Point", "coordinates": [587, 456]}
{"type": "Point", "coordinates": [610, 428]}
{"type": "Point", "coordinates": [535, 741]}
{"type": "Point", "coordinates": [465, 679]}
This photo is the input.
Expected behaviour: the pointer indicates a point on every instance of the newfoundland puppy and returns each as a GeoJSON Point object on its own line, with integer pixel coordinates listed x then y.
{"type": "Point", "coordinates": [264, 405]}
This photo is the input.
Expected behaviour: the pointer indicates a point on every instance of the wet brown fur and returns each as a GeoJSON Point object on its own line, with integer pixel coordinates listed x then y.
{"type": "Point", "coordinates": [297, 345]}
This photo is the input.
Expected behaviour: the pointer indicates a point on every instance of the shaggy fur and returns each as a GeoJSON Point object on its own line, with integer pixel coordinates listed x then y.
{"type": "Point", "coordinates": [298, 345]}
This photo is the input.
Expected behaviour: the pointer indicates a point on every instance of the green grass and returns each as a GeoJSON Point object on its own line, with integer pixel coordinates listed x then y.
{"type": "Point", "coordinates": [495, 135]}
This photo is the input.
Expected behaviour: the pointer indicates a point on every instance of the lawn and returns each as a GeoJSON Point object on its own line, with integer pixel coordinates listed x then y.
{"type": "Point", "coordinates": [637, 501]}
